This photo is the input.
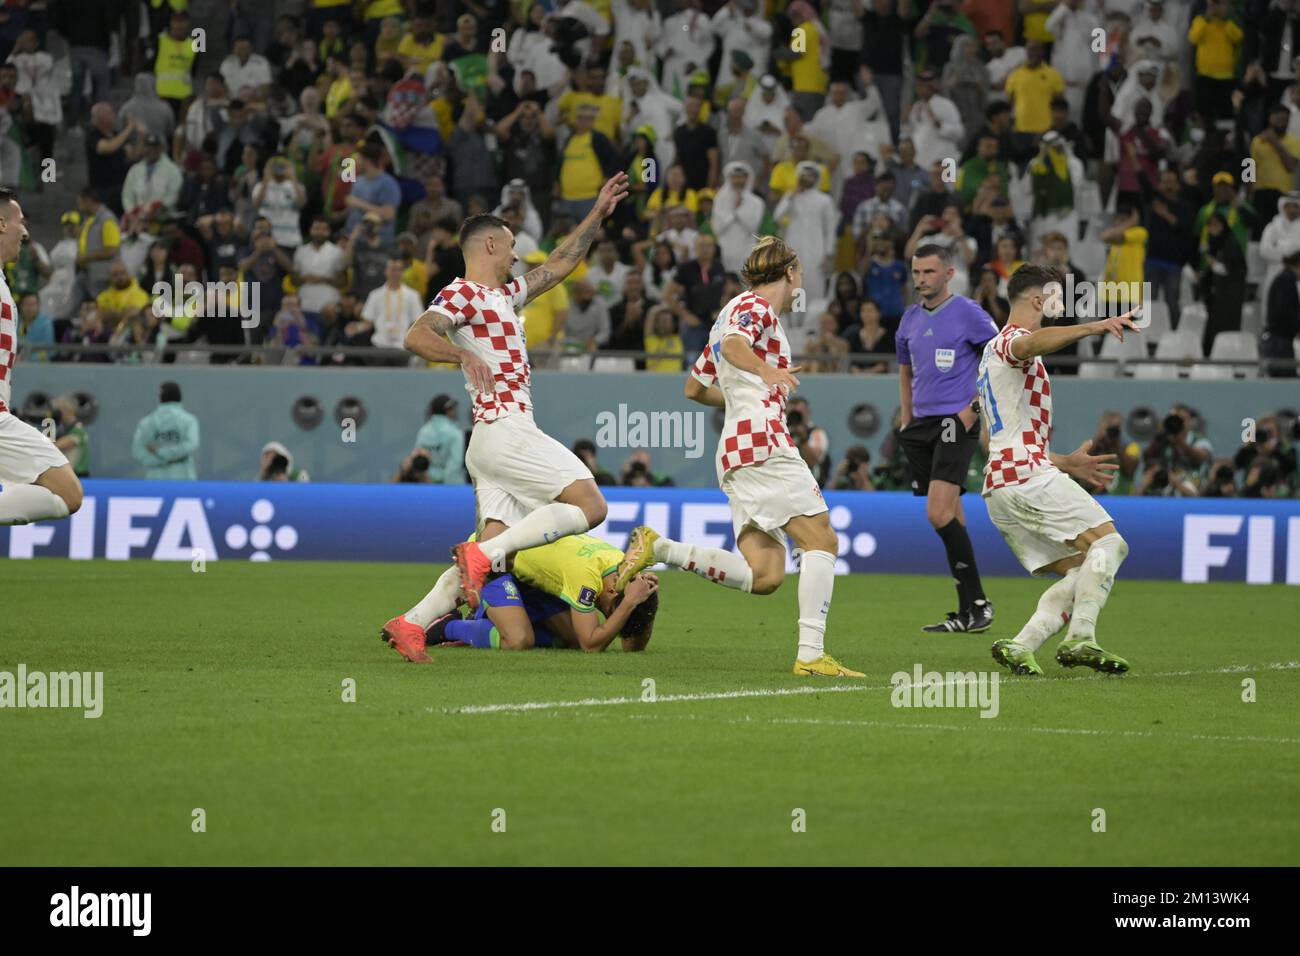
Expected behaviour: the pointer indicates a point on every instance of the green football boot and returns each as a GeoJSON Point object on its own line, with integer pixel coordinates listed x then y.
{"type": "Point", "coordinates": [1015, 657]}
{"type": "Point", "coordinates": [1089, 654]}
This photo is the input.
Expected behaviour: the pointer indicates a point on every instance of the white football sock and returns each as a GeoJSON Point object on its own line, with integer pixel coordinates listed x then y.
{"type": "Point", "coordinates": [721, 567]}
{"type": "Point", "coordinates": [1053, 612]}
{"type": "Point", "coordinates": [542, 526]}
{"type": "Point", "coordinates": [23, 504]}
{"type": "Point", "coordinates": [441, 600]}
{"type": "Point", "coordinates": [816, 582]}
{"type": "Point", "coordinates": [1096, 575]}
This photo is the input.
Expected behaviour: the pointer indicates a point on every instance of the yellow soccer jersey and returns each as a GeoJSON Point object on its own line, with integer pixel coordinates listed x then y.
{"type": "Point", "coordinates": [572, 568]}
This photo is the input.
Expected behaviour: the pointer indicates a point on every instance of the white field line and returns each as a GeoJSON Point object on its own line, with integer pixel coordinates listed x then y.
{"type": "Point", "coordinates": [1003, 728]}
{"type": "Point", "coordinates": [515, 708]}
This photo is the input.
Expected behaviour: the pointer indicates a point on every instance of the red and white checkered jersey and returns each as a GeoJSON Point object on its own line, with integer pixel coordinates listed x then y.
{"type": "Point", "coordinates": [486, 324]}
{"type": "Point", "coordinates": [754, 427]}
{"type": "Point", "coordinates": [8, 343]}
{"type": "Point", "coordinates": [1016, 404]}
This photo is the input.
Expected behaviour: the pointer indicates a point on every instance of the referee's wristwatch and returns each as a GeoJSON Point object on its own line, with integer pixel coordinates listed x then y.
{"type": "Point", "coordinates": [975, 407]}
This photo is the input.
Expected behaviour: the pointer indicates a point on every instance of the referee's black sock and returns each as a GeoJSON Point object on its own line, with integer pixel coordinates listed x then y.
{"type": "Point", "coordinates": [961, 559]}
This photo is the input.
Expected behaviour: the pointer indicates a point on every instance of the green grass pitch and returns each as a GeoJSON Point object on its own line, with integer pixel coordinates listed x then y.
{"type": "Point", "coordinates": [223, 691]}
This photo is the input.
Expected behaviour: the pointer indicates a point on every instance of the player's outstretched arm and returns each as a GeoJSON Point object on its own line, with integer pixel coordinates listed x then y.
{"type": "Point", "coordinates": [573, 248]}
{"type": "Point", "coordinates": [1053, 338]}
{"type": "Point", "coordinates": [427, 338]}
{"type": "Point", "coordinates": [1094, 470]}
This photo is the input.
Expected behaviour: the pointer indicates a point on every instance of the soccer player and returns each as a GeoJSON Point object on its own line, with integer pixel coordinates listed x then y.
{"type": "Point", "coordinates": [939, 342]}
{"type": "Point", "coordinates": [556, 596]}
{"type": "Point", "coordinates": [1051, 524]}
{"type": "Point", "coordinates": [36, 481]}
{"type": "Point", "coordinates": [529, 488]}
{"type": "Point", "coordinates": [745, 369]}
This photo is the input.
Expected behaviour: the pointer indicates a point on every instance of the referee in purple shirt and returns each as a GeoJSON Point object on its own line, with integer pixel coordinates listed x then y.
{"type": "Point", "coordinates": [940, 340]}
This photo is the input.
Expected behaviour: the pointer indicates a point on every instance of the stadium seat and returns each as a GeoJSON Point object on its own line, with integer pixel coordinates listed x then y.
{"type": "Point", "coordinates": [1206, 372]}
{"type": "Point", "coordinates": [1192, 318]}
{"type": "Point", "coordinates": [1256, 267]}
{"type": "Point", "coordinates": [1150, 370]}
{"type": "Point", "coordinates": [609, 363]}
{"type": "Point", "coordinates": [1159, 321]}
{"type": "Point", "coordinates": [574, 363]}
{"type": "Point", "coordinates": [1132, 349]}
{"type": "Point", "coordinates": [1098, 370]}
{"type": "Point", "coordinates": [1250, 323]}
{"type": "Point", "coordinates": [1183, 344]}
{"type": "Point", "coordinates": [1238, 345]}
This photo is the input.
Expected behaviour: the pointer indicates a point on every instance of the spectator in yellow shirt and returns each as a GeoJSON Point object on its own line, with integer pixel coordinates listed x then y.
{"type": "Point", "coordinates": [544, 316]}
{"type": "Point", "coordinates": [124, 306]}
{"type": "Point", "coordinates": [420, 46]}
{"type": "Point", "coordinates": [1031, 86]}
{"type": "Point", "coordinates": [1125, 260]}
{"type": "Point", "coordinates": [1216, 39]}
{"type": "Point", "coordinates": [1275, 153]}
{"type": "Point", "coordinates": [590, 89]}
{"type": "Point", "coordinates": [662, 337]}
{"type": "Point", "coordinates": [807, 59]}
{"type": "Point", "coordinates": [785, 174]}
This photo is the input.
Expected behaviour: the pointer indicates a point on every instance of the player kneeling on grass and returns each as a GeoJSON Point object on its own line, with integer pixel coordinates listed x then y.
{"type": "Point", "coordinates": [555, 596]}
{"type": "Point", "coordinates": [1050, 523]}
{"type": "Point", "coordinates": [514, 616]}
{"type": "Point", "coordinates": [745, 369]}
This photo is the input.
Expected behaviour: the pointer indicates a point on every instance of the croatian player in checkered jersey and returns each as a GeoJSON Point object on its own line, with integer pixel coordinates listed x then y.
{"type": "Point", "coordinates": [529, 489]}
{"type": "Point", "coordinates": [745, 368]}
{"type": "Point", "coordinates": [36, 481]}
{"type": "Point", "coordinates": [1051, 524]}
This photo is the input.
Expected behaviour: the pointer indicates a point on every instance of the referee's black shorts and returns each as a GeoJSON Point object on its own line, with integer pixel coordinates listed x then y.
{"type": "Point", "coordinates": [931, 458]}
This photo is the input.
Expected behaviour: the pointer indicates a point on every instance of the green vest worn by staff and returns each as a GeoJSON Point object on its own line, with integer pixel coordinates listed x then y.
{"type": "Point", "coordinates": [173, 434]}
{"type": "Point", "coordinates": [173, 67]}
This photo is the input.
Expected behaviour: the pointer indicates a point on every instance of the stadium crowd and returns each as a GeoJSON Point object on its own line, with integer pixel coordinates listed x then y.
{"type": "Point", "coordinates": [314, 177]}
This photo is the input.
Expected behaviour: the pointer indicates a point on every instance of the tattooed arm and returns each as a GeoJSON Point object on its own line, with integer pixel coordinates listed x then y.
{"type": "Point", "coordinates": [566, 256]}
{"type": "Point", "coordinates": [427, 338]}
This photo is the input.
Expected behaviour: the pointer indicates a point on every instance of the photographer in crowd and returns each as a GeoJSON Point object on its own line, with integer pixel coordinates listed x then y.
{"type": "Point", "coordinates": [1177, 459]}
{"type": "Point", "coordinates": [854, 472]}
{"type": "Point", "coordinates": [277, 465]}
{"type": "Point", "coordinates": [1109, 441]}
{"type": "Point", "coordinates": [812, 442]}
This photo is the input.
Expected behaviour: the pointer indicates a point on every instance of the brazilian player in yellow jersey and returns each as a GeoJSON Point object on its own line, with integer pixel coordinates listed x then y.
{"type": "Point", "coordinates": [558, 595]}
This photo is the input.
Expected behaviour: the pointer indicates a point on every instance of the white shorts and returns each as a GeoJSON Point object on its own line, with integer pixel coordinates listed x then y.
{"type": "Point", "coordinates": [1038, 517]}
{"type": "Point", "coordinates": [25, 453]}
{"type": "Point", "coordinates": [767, 495]}
{"type": "Point", "coordinates": [517, 468]}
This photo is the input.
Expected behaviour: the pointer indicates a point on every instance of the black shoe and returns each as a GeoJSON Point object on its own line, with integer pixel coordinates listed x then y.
{"type": "Point", "coordinates": [974, 621]}
{"type": "Point", "coordinates": [436, 633]}
{"type": "Point", "coordinates": [979, 617]}
{"type": "Point", "coordinates": [955, 623]}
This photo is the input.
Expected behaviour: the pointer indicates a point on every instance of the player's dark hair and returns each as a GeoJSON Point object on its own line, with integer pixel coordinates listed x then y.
{"type": "Point", "coordinates": [1031, 276]}
{"type": "Point", "coordinates": [7, 196]}
{"type": "Point", "coordinates": [474, 225]}
{"type": "Point", "coordinates": [942, 253]}
{"type": "Point", "coordinates": [642, 617]}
